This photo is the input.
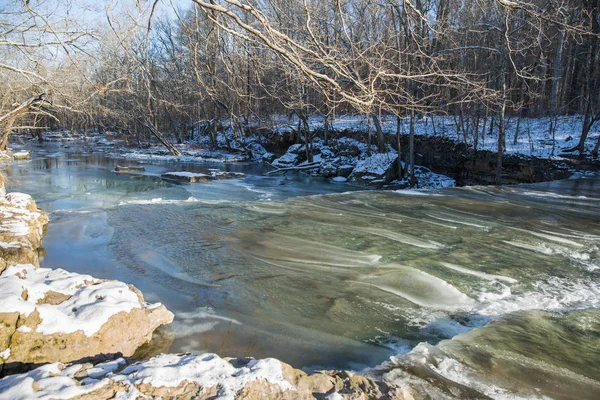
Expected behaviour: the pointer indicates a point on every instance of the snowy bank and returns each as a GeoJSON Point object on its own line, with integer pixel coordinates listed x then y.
{"type": "Point", "coordinates": [21, 229]}
{"type": "Point", "coordinates": [188, 376]}
{"type": "Point", "coordinates": [53, 315]}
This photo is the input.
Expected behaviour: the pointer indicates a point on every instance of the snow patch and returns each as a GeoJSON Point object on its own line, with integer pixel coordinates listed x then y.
{"type": "Point", "coordinates": [89, 305]}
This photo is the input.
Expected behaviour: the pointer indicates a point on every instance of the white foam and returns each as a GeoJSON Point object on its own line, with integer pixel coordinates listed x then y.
{"type": "Point", "coordinates": [199, 321]}
{"type": "Point", "coordinates": [551, 294]}
{"type": "Point", "coordinates": [484, 227]}
{"type": "Point", "coordinates": [483, 275]}
{"type": "Point", "coordinates": [403, 238]}
{"type": "Point", "coordinates": [160, 200]}
{"type": "Point", "coordinates": [553, 238]}
{"type": "Point", "coordinates": [421, 288]}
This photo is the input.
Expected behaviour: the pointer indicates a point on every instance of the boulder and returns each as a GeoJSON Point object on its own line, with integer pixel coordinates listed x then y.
{"type": "Point", "coordinates": [22, 155]}
{"type": "Point", "coordinates": [269, 157]}
{"type": "Point", "coordinates": [286, 160]}
{"type": "Point", "coordinates": [345, 170]}
{"type": "Point", "coordinates": [375, 170]}
{"type": "Point", "coordinates": [63, 316]}
{"type": "Point", "coordinates": [52, 315]}
{"type": "Point", "coordinates": [192, 177]}
{"type": "Point", "coordinates": [188, 376]}
{"type": "Point", "coordinates": [22, 227]}
{"type": "Point", "coordinates": [119, 168]}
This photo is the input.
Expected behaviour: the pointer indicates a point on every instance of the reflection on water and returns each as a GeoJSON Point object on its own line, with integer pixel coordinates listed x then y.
{"type": "Point", "coordinates": [270, 266]}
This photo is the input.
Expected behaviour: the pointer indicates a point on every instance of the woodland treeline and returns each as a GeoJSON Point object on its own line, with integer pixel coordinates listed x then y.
{"type": "Point", "coordinates": [210, 65]}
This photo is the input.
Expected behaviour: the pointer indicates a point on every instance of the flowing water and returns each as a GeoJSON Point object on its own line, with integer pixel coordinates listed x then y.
{"type": "Point", "coordinates": [321, 275]}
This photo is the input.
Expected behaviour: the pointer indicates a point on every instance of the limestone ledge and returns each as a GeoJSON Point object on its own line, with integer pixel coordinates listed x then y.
{"type": "Point", "coordinates": [22, 227]}
{"type": "Point", "coordinates": [53, 315]}
{"type": "Point", "coordinates": [188, 376]}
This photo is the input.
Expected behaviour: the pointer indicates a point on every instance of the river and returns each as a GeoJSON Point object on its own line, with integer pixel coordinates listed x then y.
{"type": "Point", "coordinates": [322, 275]}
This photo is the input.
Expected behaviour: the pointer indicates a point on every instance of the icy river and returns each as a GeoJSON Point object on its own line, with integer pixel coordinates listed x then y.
{"type": "Point", "coordinates": [322, 275]}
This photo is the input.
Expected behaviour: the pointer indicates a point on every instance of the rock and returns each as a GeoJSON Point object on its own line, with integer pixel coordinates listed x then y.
{"type": "Point", "coordinates": [295, 149]}
{"type": "Point", "coordinates": [226, 175]}
{"type": "Point", "coordinates": [22, 155]}
{"type": "Point", "coordinates": [119, 168]}
{"type": "Point", "coordinates": [286, 160]}
{"type": "Point", "coordinates": [345, 170]}
{"type": "Point", "coordinates": [376, 170]}
{"type": "Point", "coordinates": [5, 157]}
{"type": "Point", "coordinates": [192, 177]}
{"type": "Point", "coordinates": [65, 316]}
{"type": "Point", "coordinates": [187, 177]}
{"type": "Point", "coordinates": [327, 169]}
{"type": "Point", "coordinates": [188, 376]}
{"type": "Point", "coordinates": [269, 157]}
{"type": "Point", "coordinates": [53, 315]}
{"type": "Point", "coordinates": [22, 227]}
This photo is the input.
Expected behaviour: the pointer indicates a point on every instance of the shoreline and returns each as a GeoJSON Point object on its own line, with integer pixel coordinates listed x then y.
{"type": "Point", "coordinates": [398, 371]}
{"type": "Point", "coordinates": [102, 374]}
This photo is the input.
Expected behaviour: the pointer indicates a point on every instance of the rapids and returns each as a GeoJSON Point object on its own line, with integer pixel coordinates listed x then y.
{"type": "Point", "coordinates": [323, 275]}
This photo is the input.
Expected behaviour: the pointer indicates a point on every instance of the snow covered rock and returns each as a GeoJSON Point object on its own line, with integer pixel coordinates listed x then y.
{"type": "Point", "coordinates": [53, 315]}
{"type": "Point", "coordinates": [22, 155]}
{"type": "Point", "coordinates": [188, 376]}
{"type": "Point", "coordinates": [345, 170]}
{"type": "Point", "coordinates": [21, 230]}
{"type": "Point", "coordinates": [375, 170]}
{"type": "Point", "coordinates": [286, 160]}
{"type": "Point", "coordinates": [193, 177]}
{"type": "Point", "coordinates": [268, 157]}
{"type": "Point", "coordinates": [130, 168]}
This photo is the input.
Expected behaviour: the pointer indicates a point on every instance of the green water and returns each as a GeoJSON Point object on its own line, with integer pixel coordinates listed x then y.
{"type": "Point", "coordinates": [290, 267]}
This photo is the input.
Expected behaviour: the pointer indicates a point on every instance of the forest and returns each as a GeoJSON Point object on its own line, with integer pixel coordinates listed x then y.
{"type": "Point", "coordinates": [300, 199]}
{"type": "Point", "coordinates": [178, 70]}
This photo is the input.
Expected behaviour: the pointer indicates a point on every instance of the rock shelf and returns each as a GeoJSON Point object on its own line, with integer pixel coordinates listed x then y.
{"type": "Point", "coordinates": [192, 177]}
{"type": "Point", "coordinates": [53, 315]}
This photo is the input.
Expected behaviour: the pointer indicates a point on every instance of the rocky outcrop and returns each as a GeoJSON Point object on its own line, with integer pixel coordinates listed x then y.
{"type": "Point", "coordinates": [192, 177]}
{"type": "Point", "coordinates": [376, 170]}
{"type": "Point", "coordinates": [187, 376]}
{"type": "Point", "coordinates": [53, 315]}
{"type": "Point", "coordinates": [130, 168]}
{"type": "Point", "coordinates": [22, 155]}
{"type": "Point", "coordinates": [22, 227]}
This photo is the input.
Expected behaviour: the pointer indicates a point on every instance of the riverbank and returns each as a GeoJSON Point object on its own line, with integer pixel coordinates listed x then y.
{"type": "Point", "coordinates": [446, 152]}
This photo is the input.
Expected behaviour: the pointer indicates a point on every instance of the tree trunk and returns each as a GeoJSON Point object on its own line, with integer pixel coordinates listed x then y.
{"type": "Point", "coordinates": [502, 127]}
{"type": "Point", "coordinates": [380, 137]}
{"type": "Point", "coordinates": [172, 149]}
{"type": "Point", "coordinates": [411, 148]}
{"type": "Point", "coordinates": [399, 144]}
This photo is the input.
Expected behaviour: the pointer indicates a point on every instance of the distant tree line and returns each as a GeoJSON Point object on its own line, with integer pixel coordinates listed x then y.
{"type": "Point", "coordinates": [240, 61]}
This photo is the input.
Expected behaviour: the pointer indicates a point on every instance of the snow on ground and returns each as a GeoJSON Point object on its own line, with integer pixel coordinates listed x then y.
{"type": "Point", "coordinates": [15, 217]}
{"type": "Point", "coordinates": [137, 380]}
{"type": "Point", "coordinates": [427, 179]}
{"type": "Point", "coordinates": [534, 139]}
{"type": "Point", "coordinates": [88, 304]}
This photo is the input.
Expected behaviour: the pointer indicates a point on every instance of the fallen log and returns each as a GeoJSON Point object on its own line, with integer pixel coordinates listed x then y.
{"type": "Point", "coordinates": [296, 168]}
